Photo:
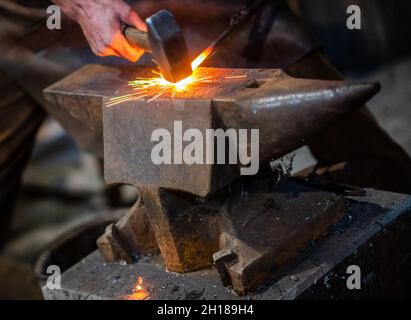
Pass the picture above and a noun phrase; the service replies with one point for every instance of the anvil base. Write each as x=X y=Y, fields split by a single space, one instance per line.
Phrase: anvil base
x=374 y=236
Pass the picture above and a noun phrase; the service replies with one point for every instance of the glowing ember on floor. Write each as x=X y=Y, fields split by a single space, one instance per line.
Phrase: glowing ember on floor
x=138 y=292
x=157 y=86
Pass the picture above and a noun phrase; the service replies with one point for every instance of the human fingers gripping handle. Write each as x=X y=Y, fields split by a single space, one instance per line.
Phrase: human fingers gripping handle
x=102 y=23
x=133 y=19
x=137 y=38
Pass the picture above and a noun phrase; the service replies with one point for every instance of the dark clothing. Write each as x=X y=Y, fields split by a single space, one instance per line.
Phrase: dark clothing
x=24 y=72
x=20 y=118
x=275 y=39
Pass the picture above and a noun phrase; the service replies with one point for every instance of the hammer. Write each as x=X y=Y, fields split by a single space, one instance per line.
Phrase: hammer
x=165 y=40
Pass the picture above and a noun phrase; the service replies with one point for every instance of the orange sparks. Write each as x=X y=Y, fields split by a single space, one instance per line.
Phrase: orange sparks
x=138 y=292
x=153 y=88
x=201 y=58
x=235 y=77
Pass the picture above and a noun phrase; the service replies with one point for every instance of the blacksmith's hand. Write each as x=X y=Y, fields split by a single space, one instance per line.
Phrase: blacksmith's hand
x=102 y=22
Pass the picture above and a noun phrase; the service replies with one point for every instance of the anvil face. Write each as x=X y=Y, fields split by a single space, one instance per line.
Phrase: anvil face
x=285 y=110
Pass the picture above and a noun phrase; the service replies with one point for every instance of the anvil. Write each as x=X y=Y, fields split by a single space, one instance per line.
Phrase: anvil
x=286 y=110
x=201 y=212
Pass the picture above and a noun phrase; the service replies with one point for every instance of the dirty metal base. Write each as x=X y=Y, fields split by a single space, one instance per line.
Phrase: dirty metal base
x=374 y=235
x=258 y=225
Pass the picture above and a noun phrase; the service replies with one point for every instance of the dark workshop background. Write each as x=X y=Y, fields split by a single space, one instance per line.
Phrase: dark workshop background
x=63 y=188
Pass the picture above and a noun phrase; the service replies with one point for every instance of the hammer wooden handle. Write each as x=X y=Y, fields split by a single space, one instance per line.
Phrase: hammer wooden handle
x=138 y=38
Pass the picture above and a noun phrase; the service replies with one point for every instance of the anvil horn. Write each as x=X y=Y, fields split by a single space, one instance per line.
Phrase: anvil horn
x=288 y=111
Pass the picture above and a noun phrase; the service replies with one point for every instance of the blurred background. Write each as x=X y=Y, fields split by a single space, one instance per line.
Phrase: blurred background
x=63 y=186
x=380 y=51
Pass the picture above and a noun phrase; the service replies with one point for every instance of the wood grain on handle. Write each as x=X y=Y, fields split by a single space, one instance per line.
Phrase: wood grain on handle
x=137 y=38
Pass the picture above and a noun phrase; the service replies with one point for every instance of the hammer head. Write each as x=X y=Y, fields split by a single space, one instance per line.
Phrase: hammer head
x=168 y=46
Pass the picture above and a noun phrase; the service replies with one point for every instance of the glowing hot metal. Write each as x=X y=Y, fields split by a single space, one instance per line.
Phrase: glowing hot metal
x=201 y=58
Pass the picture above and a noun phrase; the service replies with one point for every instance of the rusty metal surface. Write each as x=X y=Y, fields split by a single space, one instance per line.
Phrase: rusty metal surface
x=269 y=228
x=262 y=224
x=189 y=228
x=79 y=99
x=128 y=238
x=373 y=236
x=286 y=110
